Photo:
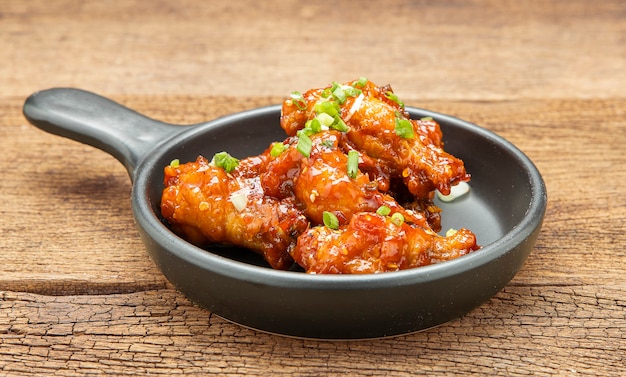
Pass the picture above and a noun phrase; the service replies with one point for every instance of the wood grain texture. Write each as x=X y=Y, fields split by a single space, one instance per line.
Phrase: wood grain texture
x=78 y=293
x=449 y=49
x=546 y=330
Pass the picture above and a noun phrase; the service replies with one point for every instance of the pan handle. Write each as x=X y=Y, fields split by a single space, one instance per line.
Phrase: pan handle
x=97 y=121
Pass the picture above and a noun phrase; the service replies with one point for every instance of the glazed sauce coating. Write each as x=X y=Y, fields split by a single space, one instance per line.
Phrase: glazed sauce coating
x=304 y=200
x=197 y=201
x=372 y=243
x=420 y=161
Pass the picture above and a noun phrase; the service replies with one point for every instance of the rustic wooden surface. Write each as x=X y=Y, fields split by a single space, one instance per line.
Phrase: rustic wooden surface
x=78 y=293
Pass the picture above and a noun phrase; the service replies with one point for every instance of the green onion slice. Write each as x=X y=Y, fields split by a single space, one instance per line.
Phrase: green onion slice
x=327 y=107
x=314 y=125
x=304 y=143
x=352 y=91
x=392 y=96
x=225 y=161
x=277 y=149
x=308 y=131
x=175 y=163
x=353 y=163
x=330 y=220
x=339 y=94
x=298 y=100
x=397 y=219
x=383 y=210
x=360 y=82
x=325 y=120
x=339 y=125
x=404 y=127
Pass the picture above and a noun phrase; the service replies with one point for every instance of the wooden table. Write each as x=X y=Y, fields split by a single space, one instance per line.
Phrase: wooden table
x=78 y=293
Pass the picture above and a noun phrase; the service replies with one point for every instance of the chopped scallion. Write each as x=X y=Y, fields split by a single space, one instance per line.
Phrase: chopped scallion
x=330 y=220
x=353 y=163
x=327 y=107
x=175 y=163
x=392 y=96
x=304 y=144
x=325 y=120
x=339 y=125
x=314 y=125
x=339 y=94
x=383 y=210
x=308 y=131
x=360 y=82
x=397 y=219
x=225 y=161
x=298 y=100
x=277 y=149
x=352 y=91
x=404 y=127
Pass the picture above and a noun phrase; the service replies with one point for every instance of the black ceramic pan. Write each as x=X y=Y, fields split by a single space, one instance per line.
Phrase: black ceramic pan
x=505 y=208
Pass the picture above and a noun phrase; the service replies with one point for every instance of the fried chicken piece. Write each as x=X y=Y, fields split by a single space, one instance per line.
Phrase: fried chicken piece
x=277 y=178
x=323 y=184
x=374 y=116
x=372 y=243
x=424 y=206
x=199 y=203
x=320 y=182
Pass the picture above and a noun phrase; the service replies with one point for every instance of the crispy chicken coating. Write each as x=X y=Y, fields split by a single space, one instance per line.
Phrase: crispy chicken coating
x=378 y=126
x=200 y=202
x=372 y=243
x=320 y=182
x=323 y=185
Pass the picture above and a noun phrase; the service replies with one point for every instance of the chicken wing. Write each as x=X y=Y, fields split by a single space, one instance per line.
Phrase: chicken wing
x=324 y=185
x=205 y=204
x=378 y=126
x=372 y=243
